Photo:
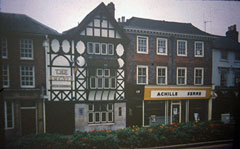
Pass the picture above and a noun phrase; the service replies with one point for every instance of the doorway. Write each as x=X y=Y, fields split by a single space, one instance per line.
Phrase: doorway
x=175 y=112
x=28 y=120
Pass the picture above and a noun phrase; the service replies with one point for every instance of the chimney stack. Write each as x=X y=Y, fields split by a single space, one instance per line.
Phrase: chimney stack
x=232 y=32
x=123 y=19
x=111 y=9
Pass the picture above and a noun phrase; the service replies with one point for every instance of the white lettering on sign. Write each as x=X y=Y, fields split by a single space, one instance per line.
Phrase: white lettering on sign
x=178 y=93
x=61 y=78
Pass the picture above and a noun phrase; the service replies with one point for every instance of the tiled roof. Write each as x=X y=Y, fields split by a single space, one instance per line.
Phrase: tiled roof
x=225 y=43
x=165 y=26
x=20 y=23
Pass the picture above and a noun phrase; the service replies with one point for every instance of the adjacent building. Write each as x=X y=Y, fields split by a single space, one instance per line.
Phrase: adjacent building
x=22 y=73
x=86 y=75
x=168 y=72
x=226 y=72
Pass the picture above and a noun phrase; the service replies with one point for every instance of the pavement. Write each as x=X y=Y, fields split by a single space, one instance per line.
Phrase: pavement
x=221 y=144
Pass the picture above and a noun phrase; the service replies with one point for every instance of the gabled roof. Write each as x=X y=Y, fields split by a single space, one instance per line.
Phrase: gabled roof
x=20 y=23
x=100 y=8
x=165 y=26
x=225 y=43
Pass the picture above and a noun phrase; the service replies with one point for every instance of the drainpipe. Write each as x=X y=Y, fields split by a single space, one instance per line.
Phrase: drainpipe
x=46 y=49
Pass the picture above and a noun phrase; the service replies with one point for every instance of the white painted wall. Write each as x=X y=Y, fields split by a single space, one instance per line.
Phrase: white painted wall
x=217 y=62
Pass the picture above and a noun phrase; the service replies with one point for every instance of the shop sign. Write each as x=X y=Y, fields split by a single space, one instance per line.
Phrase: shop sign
x=176 y=93
x=61 y=78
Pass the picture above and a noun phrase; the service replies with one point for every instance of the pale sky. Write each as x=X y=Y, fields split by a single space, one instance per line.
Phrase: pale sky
x=62 y=15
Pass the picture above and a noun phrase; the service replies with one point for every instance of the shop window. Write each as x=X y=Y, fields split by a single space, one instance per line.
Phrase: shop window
x=27 y=76
x=161 y=75
x=9 y=115
x=142 y=74
x=26 y=49
x=4 y=48
x=142 y=44
x=199 y=49
x=161 y=46
x=5 y=76
x=198 y=76
x=181 y=76
x=181 y=48
x=100 y=113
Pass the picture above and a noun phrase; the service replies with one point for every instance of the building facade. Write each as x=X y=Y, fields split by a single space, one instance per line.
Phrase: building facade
x=86 y=75
x=226 y=71
x=168 y=72
x=23 y=71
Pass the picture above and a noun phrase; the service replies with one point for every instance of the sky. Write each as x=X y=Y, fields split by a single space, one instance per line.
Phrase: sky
x=62 y=15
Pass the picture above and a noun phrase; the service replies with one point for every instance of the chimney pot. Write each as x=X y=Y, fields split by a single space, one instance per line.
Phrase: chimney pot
x=232 y=32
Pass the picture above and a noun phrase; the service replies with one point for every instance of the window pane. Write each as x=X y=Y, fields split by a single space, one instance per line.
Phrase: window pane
x=110 y=116
x=104 y=48
x=26 y=48
x=27 y=76
x=90 y=48
x=110 y=49
x=97 y=117
x=97 y=48
x=90 y=117
x=142 y=44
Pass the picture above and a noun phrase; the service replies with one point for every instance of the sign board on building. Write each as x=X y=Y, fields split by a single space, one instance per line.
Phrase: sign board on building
x=158 y=93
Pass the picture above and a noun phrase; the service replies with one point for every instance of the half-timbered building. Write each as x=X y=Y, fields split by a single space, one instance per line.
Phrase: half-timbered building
x=85 y=73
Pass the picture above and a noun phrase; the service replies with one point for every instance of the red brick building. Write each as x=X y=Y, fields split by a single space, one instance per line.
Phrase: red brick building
x=22 y=73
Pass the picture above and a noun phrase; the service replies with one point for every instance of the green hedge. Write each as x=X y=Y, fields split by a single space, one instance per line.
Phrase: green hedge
x=130 y=137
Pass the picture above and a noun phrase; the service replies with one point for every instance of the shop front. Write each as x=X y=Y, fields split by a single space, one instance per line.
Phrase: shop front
x=176 y=104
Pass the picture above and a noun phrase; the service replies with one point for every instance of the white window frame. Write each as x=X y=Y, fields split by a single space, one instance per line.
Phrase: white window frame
x=161 y=67
x=185 y=48
x=115 y=81
x=106 y=45
x=93 y=50
x=112 y=49
x=5 y=115
x=142 y=52
x=26 y=58
x=185 y=75
x=4 y=47
x=142 y=66
x=27 y=86
x=94 y=82
x=166 y=46
x=195 y=48
x=93 y=112
x=7 y=75
x=195 y=73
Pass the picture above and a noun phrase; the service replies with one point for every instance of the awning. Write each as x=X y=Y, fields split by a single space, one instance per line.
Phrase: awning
x=101 y=95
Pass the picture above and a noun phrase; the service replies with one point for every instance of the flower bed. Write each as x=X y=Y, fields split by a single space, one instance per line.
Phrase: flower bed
x=131 y=137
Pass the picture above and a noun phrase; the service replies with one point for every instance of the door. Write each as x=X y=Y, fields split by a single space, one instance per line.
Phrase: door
x=176 y=112
x=28 y=121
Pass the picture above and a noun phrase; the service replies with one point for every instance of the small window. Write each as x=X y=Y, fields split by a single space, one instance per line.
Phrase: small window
x=113 y=83
x=182 y=48
x=161 y=46
x=106 y=73
x=224 y=55
x=106 y=82
x=161 y=75
x=5 y=76
x=9 y=115
x=27 y=76
x=97 y=48
x=99 y=72
x=104 y=49
x=93 y=82
x=4 y=48
x=100 y=82
x=142 y=74
x=26 y=49
x=110 y=49
x=90 y=48
x=181 y=76
x=120 y=111
x=199 y=49
x=142 y=44
x=198 y=75
x=237 y=56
